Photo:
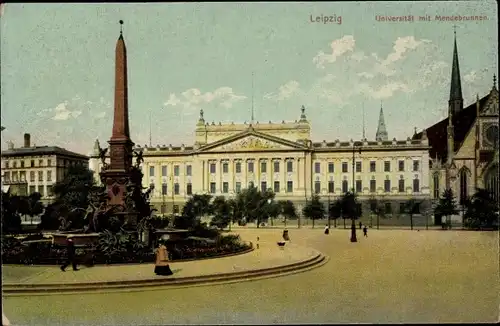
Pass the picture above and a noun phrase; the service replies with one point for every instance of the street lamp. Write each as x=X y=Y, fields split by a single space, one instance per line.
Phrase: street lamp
x=354 y=209
x=328 y=209
x=269 y=200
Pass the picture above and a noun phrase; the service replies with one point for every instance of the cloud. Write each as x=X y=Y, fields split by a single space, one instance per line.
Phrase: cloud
x=401 y=46
x=471 y=77
x=62 y=112
x=284 y=91
x=193 y=98
x=172 y=100
x=386 y=90
x=339 y=47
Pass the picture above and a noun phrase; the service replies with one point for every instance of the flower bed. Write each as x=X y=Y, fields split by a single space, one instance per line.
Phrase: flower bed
x=43 y=253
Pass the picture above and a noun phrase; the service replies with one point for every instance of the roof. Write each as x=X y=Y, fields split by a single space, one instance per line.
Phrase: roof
x=41 y=150
x=462 y=122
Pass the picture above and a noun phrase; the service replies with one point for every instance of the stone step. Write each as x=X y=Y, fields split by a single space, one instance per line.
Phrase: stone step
x=48 y=289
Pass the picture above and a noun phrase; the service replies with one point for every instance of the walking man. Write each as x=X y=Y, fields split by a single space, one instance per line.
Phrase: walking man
x=365 y=231
x=71 y=255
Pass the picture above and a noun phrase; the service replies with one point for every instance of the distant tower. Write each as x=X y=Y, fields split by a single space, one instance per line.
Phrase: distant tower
x=456 y=101
x=381 y=130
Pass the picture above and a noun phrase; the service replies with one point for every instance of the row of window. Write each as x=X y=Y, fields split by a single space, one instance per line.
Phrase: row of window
x=289 y=187
x=373 y=186
x=41 y=163
x=32 y=164
x=289 y=167
x=177 y=169
x=373 y=166
x=16 y=176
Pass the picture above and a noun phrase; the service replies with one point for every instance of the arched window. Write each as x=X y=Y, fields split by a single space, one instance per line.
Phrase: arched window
x=491 y=182
x=464 y=193
x=436 y=185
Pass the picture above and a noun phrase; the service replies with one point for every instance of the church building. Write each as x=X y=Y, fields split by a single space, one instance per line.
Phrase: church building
x=464 y=146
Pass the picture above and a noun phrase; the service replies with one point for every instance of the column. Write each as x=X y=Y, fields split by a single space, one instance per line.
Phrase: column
x=231 y=175
x=244 y=173
x=285 y=174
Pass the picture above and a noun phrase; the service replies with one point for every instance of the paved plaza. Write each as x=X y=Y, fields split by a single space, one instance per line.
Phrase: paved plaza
x=392 y=276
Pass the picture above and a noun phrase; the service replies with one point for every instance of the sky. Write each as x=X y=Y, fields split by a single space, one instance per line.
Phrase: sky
x=57 y=67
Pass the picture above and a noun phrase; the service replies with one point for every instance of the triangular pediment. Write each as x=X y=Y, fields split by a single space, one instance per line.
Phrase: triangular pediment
x=251 y=140
x=491 y=105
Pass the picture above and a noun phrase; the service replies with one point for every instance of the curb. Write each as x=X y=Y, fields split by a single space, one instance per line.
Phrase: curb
x=137 y=285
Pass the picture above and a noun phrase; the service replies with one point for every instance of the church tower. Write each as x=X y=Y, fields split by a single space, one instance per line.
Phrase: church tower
x=381 y=130
x=456 y=101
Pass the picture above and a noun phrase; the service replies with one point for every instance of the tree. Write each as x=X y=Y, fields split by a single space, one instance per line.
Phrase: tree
x=335 y=211
x=221 y=209
x=314 y=209
x=352 y=209
x=481 y=211
x=377 y=208
x=11 y=219
x=411 y=208
x=252 y=204
x=288 y=210
x=71 y=199
x=74 y=188
x=34 y=205
x=446 y=205
x=195 y=207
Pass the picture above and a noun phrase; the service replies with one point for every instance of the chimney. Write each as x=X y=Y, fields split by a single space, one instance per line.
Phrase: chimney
x=26 y=140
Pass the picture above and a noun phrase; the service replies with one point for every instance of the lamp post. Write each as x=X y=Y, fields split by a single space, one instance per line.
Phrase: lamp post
x=269 y=201
x=354 y=209
x=231 y=195
x=173 y=192
x=328 y=210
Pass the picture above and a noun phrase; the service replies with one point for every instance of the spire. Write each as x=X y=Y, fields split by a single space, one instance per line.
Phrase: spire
x=456 y=101
x=120 y=121
x=494 y=81
x=381 y=131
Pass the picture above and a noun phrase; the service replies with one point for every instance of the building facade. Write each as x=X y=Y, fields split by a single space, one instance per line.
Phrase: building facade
x=464 y=146
x=227 y=158
x=30 y=169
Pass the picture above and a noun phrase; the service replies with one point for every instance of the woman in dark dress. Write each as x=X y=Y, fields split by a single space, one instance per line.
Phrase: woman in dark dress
x=161 y=265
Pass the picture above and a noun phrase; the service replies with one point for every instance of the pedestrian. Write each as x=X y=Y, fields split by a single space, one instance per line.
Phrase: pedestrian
x=161 y=265
x=360 y=225
x=258 y=242
x=327 y=230
x=71 y=260
x=365 y=231
x=286 y=237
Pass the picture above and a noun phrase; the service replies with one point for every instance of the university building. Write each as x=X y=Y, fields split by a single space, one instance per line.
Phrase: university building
x=30 y=169
x=226 y=158
x=464 y=146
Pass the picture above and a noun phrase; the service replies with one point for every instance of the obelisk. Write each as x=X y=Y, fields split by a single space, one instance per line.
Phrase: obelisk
x=118 y=173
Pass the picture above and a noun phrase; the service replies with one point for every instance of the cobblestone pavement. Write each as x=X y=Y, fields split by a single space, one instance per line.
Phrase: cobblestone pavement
x=267 y=256
x=393 y=276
